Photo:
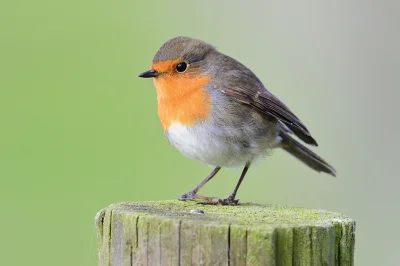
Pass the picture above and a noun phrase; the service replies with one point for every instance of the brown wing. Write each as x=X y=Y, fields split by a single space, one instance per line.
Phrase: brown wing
x=243 y=86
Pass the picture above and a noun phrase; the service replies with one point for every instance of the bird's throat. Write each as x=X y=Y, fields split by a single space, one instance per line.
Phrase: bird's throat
x=182 y=99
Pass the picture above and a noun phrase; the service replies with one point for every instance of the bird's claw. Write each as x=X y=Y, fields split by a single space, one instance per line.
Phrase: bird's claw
x=229 y=201
x=203 y=200
x=218 y=201
x=191 y=195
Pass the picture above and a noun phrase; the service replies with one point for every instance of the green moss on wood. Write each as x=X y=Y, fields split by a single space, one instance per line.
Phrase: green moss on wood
x=244 y=214
x=284 y=246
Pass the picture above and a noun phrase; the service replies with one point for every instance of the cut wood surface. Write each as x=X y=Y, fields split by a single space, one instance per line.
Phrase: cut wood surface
x=186 y=233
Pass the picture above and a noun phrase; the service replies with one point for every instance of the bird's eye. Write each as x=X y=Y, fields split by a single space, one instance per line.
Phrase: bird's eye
x=181 y=67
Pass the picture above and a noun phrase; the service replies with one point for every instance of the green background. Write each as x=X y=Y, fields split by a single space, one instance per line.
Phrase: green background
x=80 y=131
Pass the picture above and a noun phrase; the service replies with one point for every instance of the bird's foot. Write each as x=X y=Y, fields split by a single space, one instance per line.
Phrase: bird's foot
x=216 y=201
x=191 y=195
x=229 y=201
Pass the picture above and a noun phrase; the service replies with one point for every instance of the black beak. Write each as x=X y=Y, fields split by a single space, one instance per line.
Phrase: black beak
x=149 y=74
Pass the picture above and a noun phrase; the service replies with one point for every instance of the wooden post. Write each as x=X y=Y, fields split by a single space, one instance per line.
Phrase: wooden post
x=186 y=233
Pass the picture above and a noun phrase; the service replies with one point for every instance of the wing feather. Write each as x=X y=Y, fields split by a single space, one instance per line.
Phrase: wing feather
x=265 y=102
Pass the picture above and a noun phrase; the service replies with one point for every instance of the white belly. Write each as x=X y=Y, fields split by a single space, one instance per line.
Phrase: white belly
x=208 y=147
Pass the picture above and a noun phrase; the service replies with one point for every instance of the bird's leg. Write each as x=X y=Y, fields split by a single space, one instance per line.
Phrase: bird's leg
x=192 y=195
x=231 y=199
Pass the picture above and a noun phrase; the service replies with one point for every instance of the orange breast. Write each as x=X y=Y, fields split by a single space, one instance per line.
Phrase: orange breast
x=182 y=97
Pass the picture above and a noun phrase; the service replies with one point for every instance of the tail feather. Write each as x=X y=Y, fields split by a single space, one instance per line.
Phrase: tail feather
x=305 y=155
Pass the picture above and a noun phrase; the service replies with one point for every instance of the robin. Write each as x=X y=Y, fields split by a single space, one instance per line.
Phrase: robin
x=215 y=110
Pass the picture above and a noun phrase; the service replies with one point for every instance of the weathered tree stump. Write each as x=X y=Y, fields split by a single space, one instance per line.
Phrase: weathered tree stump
x=186 y=233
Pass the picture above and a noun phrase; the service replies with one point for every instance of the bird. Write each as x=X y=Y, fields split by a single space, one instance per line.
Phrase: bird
x=215 y=110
